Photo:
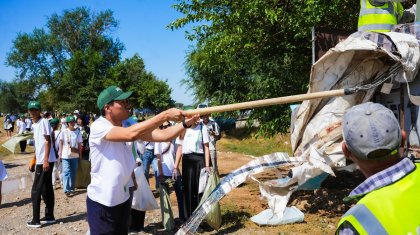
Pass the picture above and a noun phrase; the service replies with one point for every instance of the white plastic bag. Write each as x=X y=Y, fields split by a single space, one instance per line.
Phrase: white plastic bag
x=143 y=199
x=204 y=175
x=268 y=217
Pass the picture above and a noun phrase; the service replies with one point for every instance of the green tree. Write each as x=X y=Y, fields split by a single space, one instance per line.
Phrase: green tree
x=256 y=49
x=149 y=91
x=15 y=96
x=70 y=58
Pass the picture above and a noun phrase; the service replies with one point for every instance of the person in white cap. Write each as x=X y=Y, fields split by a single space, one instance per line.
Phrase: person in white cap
x=388 y=198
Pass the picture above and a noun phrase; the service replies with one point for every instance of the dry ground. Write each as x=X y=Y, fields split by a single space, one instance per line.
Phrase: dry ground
x=322 y=207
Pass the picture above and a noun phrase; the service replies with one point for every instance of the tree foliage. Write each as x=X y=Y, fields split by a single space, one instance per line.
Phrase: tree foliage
x=149 y=91
x=75 y=57
x=15 y=95
x=256 y=49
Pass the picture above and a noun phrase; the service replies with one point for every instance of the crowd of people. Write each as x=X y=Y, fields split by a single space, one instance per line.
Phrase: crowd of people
x=117 y=144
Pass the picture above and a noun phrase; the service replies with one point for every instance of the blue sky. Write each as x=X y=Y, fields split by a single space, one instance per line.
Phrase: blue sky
x=142 y=29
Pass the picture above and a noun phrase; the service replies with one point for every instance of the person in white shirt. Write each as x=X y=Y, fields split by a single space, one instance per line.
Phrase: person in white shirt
x=193 y=148
x=21 y=124
x=70 y=153
x=63 y=121
x=56 y=174
x=149 y=159
x=165 y=154
x=28 y=123
x=45 y=158
x=215 y=135
x=108 y=204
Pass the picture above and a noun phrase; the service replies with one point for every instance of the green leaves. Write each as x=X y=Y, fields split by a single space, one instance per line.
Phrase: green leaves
x=256 y=49
x=74 y=58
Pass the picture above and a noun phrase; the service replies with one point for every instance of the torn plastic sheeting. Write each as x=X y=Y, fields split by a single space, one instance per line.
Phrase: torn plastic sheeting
x=308 y=175
x=357 y=59
x=268 y=217
x=231 y=181
x=14 y=141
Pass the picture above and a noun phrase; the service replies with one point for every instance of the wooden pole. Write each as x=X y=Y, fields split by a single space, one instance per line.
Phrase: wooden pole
x=268 y=102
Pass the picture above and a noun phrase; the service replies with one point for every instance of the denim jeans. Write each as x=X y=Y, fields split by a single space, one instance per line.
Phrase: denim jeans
x=148 y=159
x=69 y=173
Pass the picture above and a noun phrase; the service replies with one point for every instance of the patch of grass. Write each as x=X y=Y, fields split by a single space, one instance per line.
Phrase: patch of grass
x=231 y=215
x=244 y=141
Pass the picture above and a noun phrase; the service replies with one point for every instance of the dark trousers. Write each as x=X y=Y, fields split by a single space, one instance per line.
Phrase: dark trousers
x=43 y=187
x=137 y=220
x=108 y=220
x=191 y=167
x=22 y=145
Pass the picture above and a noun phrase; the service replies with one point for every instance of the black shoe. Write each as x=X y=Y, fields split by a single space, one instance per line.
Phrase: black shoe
x=48 y=220
x=33 y=224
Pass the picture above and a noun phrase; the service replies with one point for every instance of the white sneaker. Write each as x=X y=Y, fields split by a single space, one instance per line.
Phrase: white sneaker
x=33 y=224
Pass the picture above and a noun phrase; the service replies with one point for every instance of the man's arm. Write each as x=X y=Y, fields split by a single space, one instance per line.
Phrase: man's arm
x=147 y=130
x=46 y=164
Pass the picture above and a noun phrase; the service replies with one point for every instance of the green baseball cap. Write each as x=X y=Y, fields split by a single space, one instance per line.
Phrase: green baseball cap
x=110 y=94
x=34 y=105
x=54 y=121
x=70 y=118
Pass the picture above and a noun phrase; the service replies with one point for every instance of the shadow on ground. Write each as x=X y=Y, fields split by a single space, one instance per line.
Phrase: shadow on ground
x=17 y=203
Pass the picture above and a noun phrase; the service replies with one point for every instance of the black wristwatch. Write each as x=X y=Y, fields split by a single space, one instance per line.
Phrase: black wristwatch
x=185 y=124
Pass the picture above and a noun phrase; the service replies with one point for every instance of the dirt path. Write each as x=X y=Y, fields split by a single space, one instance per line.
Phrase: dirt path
x=322 y=207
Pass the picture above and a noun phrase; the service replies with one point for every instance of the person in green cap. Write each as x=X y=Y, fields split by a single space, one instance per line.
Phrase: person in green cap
x=70 y=153
x=108 y=198
x=45 y=158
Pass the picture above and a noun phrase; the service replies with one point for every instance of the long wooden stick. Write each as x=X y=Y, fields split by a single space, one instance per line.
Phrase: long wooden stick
x=269 y=102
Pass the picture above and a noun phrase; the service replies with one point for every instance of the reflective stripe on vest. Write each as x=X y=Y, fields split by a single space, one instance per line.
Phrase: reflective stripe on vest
x=366 y=219
x=377 y=19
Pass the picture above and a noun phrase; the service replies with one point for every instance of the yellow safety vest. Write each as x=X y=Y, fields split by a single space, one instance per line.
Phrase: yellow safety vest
x=379 y=19
x=393 y=209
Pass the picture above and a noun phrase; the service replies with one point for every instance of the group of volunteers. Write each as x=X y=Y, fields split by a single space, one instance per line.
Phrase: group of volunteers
x=373 y=140
x=115 y=149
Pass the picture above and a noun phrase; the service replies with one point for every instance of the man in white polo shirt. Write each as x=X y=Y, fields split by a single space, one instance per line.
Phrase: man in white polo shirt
x=108 y=204
x=45 y=158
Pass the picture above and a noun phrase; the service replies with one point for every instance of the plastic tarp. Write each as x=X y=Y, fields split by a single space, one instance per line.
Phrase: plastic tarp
x=316 y=131
x=356 y=60
x=14 y=141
